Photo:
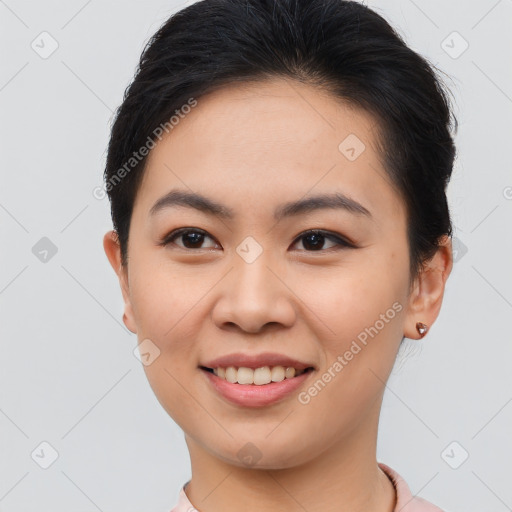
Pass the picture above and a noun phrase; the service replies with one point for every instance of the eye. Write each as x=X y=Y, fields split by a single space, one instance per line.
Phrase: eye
x=192 y=238
x=315 y=239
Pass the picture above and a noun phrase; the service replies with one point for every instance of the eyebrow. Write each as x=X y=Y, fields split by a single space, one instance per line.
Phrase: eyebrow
x=206 y=205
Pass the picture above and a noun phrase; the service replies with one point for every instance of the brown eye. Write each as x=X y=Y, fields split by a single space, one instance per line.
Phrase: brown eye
x=191 y=238
x=314 y=240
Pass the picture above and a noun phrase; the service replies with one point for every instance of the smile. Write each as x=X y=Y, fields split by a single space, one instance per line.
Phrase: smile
x=259 y=392
x=258 y=376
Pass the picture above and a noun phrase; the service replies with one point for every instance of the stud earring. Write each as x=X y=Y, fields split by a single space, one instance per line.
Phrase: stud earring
x=422 y=329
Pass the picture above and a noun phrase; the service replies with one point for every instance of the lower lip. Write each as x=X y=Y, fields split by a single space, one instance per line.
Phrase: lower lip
x=252 y=395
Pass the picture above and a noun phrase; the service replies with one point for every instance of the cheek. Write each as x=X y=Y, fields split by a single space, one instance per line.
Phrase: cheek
x=361 y=331
x=359 y=319
x=164 y=303
x=161 y=297
x=347 y=302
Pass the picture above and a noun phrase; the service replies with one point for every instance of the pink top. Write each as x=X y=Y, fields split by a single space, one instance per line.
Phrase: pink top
x=405 y=501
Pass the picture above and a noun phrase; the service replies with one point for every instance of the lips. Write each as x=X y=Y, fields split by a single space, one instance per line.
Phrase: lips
x=255 y=395
x=239 y=360
x=256 y=380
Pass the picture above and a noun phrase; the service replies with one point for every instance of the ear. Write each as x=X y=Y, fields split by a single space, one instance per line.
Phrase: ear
x=113 y=251
x=427 y=295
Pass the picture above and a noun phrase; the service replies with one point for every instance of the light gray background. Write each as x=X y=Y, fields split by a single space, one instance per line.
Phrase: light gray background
x=68 y=373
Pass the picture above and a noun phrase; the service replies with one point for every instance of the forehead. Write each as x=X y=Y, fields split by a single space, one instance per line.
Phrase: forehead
x=252 y=145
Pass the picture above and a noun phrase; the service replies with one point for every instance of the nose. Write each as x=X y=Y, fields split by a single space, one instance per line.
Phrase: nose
x=254 y=297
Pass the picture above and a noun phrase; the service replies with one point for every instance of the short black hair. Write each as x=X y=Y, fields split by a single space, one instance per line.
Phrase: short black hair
x=340 y=46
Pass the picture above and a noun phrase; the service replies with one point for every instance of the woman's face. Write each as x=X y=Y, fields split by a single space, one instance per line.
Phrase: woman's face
x=254 y=282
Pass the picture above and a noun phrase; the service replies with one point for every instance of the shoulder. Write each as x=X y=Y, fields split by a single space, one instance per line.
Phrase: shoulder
x=183 y=504
x=405 y=501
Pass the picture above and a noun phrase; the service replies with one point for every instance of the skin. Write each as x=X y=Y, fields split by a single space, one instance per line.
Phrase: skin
x=253 y=147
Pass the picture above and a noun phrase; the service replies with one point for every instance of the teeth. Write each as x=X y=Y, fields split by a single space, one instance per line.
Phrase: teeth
x=278 y=373
x=245 y=376
x=259 y=376
x=231 y=374
x=290 y=372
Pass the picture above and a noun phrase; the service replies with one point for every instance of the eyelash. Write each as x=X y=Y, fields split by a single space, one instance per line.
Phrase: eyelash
x=341 y=242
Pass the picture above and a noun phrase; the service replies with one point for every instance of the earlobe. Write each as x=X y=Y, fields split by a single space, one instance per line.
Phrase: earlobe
x=113 y=251
x=428 y=291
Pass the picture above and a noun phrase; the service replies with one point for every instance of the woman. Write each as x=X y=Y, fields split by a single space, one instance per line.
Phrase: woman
x=277 y=175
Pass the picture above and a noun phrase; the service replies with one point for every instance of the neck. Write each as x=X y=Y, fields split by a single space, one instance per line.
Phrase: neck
x=344 y=478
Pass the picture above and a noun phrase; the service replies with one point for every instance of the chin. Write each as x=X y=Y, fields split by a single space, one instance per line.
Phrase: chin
x=253 y=452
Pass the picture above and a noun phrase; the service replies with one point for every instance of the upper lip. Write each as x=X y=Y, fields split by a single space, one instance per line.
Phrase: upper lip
x=256 y=361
